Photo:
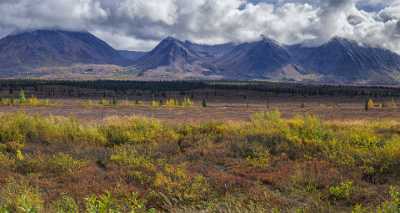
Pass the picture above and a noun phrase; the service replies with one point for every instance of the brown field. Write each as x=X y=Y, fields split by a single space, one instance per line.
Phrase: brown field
x=329 y=109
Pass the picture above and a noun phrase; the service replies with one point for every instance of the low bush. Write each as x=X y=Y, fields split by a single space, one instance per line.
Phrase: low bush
x=22 y=128
x=393 y=204
x=259 y=159
x=140 y=166
x=342 y=191
x=136 y=130
x=187 y=102
x=178 y=186
x=19 y=196
x=107 y=203
x=101 y=204
x=64 y=164
x=65 y=204
x=155 y=104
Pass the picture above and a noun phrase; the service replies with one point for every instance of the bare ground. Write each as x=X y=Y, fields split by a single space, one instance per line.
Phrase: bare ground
x=327 y=109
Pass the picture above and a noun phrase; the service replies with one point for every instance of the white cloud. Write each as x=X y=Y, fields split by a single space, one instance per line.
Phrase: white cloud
x=139 y=24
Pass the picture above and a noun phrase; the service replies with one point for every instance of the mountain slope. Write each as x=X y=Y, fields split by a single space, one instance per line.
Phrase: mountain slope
x=131 y=55
x=345 y=60
x=168 y=53
x=254 y=60
x=43 y=48
x=210 y=51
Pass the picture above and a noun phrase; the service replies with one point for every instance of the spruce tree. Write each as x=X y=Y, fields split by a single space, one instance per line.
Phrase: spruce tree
x=22 y=98
x=114 y=101
x=204 y=103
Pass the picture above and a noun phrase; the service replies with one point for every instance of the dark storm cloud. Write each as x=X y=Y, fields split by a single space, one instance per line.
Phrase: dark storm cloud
x=138 y=24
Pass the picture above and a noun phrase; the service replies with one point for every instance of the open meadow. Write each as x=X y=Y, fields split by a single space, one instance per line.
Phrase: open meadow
x=68 y=148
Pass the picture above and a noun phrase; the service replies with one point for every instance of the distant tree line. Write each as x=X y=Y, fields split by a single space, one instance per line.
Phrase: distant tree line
x=120 y=87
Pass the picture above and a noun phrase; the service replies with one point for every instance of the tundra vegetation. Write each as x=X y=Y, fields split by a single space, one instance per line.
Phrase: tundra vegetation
x=136 y=164
x=114 y=102
x=21 y=100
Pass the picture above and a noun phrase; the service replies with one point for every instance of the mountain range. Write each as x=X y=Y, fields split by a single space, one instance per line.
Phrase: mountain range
x=58 y=54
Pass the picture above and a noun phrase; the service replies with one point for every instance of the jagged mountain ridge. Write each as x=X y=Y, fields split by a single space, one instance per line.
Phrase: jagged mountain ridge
x=337 y=61
x=254 y=59
x=169 y=52
x=348 y=60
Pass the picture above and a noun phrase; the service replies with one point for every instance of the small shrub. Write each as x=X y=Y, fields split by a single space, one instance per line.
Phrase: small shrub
x=101 y=204
x=106 y=203
x=19 y=196
x=63 y=163
x=268 y=122
x=139 y=103
x=136 y=130
x=341 y=192
x=369 y=104
x=175 y=182
x=33 y=101
x=310 y=128
x=88 y=104
x=46 y=102
x=187 y=102
x=155 y=104
x=11 y=129
x=140 y=166
x=269 y=129
x=12 y=147
x=135 y=204
x=6 y=162
x=259 y=159
x=393 y=205
x=65 y=204
x=5 y=102
x=359 y=209
x=104 y=102
x=171 y=103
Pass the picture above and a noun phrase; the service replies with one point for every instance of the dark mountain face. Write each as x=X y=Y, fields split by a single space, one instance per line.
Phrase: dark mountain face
x=348 y=61
x=339 y=60
x=43 y=48
x=170 y=52
x=131 y=55
x=254 y=60
x=211 y=51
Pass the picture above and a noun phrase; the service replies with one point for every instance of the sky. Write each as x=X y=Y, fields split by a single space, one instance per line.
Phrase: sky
x=141 y=24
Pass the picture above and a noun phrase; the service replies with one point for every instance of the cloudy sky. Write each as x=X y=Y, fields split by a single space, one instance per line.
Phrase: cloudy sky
x=140 y=24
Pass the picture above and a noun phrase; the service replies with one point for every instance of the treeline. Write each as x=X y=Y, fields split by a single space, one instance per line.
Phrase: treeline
x=121 y=87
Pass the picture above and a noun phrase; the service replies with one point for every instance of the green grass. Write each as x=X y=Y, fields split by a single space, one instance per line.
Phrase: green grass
x=134 y=164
